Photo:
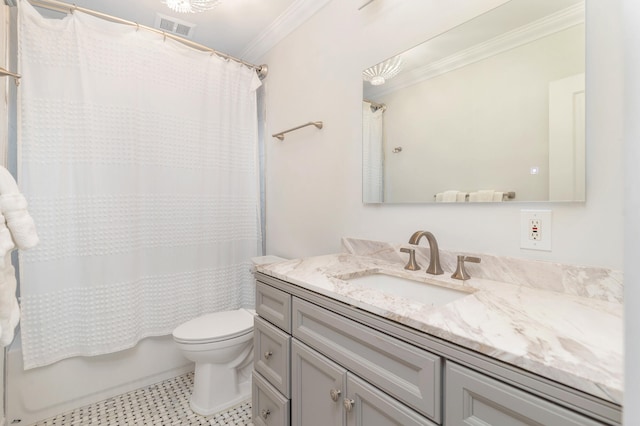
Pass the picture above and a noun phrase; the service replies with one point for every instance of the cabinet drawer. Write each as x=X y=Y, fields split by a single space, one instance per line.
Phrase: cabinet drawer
x=406 y=372
x=271 y=354
x=274 y=305
x=269 y=407
x=473 y=398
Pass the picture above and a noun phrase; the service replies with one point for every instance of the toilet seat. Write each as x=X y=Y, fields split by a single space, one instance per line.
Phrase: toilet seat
x=215 y=327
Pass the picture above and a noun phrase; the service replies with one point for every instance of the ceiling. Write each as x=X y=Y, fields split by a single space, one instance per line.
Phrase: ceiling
x=245 y=29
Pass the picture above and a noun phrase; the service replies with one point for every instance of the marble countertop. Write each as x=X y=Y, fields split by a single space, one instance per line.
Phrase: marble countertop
x=575 y=340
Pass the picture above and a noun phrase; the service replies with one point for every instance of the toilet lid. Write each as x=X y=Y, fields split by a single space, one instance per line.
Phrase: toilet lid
x=215 y=326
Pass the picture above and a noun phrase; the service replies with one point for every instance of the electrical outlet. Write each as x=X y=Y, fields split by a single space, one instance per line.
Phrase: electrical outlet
x=535 y=229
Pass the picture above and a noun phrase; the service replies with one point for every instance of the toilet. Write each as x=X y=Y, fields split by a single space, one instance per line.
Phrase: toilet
x=221 y=345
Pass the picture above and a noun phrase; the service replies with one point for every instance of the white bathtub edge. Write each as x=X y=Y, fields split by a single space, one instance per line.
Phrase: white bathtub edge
x=44 y=392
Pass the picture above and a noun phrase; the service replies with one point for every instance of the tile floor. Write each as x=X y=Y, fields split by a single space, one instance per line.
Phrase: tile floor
x=162 y=404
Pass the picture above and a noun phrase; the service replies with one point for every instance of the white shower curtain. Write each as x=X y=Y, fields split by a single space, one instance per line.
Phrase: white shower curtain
x=372 y=155
x=138 y=157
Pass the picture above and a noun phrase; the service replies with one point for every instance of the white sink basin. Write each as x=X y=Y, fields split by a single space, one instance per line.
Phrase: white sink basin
x=422 y=292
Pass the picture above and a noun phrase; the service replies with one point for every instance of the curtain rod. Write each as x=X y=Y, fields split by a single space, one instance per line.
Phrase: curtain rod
x=59 y=6
x=376 y=105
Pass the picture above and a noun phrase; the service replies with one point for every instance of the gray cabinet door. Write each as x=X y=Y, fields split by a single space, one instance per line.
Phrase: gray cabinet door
x=318 y=387
x=368 y=406
x=473 y=399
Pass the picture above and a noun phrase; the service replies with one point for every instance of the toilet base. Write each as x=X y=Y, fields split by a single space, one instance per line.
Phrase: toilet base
x=218 y=387
x=243 y=395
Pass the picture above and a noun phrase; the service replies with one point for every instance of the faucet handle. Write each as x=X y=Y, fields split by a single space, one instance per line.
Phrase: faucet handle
x=412 y=265
x=461 y=273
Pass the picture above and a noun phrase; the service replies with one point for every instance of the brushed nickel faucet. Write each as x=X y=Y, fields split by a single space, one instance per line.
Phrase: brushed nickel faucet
x=434 y=258
x=461 y=273
x=412 y=265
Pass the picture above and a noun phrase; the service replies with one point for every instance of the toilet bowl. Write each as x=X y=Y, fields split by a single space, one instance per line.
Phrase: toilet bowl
x=221 y=345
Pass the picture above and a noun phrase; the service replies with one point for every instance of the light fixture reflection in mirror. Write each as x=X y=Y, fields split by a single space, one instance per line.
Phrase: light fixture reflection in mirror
x=380 y=73
x=479 y=106
x=191 y=6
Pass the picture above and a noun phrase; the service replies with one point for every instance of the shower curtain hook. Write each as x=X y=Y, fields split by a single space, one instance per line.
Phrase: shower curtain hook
x=74 y=8
x=164 y=36
x=137 y=27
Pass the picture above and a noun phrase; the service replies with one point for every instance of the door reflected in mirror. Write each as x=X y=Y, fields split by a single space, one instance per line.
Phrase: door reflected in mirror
x=492 y=110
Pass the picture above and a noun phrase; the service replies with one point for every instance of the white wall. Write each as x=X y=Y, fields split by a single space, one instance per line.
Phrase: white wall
x=313 y=177
x=482 y=126
x=631 y=15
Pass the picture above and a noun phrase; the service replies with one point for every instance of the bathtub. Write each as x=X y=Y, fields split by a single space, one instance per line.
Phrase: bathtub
x=43 y=392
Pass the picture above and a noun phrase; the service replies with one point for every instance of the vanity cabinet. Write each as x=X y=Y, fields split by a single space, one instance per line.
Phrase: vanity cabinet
x=325 y=393
x=320 y=362
x=335 y=371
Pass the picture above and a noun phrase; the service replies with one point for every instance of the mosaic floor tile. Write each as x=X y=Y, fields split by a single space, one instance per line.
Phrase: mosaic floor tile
x=161 y=404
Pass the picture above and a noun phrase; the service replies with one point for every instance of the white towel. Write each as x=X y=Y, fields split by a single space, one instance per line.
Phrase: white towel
x=498 y=196
x=13 y=206
x=6 y=242
x=9 y=309
x=19 y=221
x=21 y=231
x=462 y=197
x=482 y=196
x=439 y=197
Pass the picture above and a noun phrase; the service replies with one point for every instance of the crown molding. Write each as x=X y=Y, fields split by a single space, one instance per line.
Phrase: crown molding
x=551 y=24
x=292 y=18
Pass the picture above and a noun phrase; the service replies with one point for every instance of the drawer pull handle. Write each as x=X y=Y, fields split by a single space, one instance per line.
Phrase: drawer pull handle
x=335 y=394
x=265 y=413
x=268 y=354
x=348 y=404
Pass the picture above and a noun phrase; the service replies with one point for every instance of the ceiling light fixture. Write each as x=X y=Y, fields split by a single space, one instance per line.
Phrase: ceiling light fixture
x=191 y=6
x=378 y=74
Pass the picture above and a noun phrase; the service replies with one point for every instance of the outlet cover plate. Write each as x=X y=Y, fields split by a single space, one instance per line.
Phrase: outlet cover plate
x=542 y=218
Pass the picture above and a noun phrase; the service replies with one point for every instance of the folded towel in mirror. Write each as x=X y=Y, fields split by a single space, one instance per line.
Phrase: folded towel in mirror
x=482 y=196
x=450 y=196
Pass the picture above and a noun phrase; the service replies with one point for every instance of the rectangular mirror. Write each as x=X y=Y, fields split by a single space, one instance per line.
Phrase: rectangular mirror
x=491 y=110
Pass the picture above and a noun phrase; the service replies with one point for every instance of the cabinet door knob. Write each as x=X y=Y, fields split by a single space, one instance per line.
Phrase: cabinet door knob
x=348 y=404
x=268 y=354
x=265 y=413
x=335 y=394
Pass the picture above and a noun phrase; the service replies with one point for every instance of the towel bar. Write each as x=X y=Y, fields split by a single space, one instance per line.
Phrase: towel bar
x=505 y=195
x=280 y=135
